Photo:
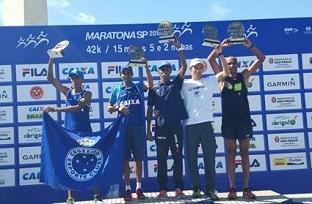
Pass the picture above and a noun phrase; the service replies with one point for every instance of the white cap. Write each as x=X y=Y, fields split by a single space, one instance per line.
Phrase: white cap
x=197 y=61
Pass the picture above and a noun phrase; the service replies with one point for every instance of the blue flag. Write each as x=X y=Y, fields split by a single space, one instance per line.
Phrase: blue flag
x=71 y=161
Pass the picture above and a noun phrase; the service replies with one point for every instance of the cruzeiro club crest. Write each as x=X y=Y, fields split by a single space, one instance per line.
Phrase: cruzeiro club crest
x=82 y=163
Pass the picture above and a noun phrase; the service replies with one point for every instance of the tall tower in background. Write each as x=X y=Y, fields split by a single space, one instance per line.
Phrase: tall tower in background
x=25 y=12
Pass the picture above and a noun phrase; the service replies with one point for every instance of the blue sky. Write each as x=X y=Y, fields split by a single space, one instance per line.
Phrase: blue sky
x=78 y=12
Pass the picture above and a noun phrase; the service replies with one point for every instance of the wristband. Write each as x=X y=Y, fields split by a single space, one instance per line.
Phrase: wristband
x=221 y=53
x=251 y=46
x=180 y=49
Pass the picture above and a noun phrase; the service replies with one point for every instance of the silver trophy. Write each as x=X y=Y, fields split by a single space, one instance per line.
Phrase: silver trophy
x=57 y=50
x=236 y=31
x=210 y=36
x=136 y=54
x=165 y=32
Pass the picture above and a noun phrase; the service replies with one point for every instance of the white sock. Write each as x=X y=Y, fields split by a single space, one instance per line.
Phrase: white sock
x=128 y=187
x=138 y=185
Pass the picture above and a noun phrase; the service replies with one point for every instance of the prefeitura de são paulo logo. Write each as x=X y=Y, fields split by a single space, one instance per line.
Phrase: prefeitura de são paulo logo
x=82 y=163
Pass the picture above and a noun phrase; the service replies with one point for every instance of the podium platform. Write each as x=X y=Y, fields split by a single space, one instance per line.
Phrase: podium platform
x=263 y=197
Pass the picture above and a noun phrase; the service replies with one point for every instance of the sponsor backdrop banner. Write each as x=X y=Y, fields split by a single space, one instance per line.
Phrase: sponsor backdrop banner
x=280 y=95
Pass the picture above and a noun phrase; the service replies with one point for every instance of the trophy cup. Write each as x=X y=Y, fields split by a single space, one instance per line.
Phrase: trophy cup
x=57 y=50
x=136 y=54
x=210 y=36
x=165 y=32
x=236 y=31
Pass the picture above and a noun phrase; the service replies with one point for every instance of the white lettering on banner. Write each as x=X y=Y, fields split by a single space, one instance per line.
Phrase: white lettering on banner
x=307 y=61
x=281 y=62
x=283 y=101
x=31 y=72
x=284 y=121
x=257 y=163
x=82 y=163
x=254 y=102
x=33 y=39
x=115 y=35
x=33 y=113
x=307 y=82
x=287 y=161
x=282 y=141
x=89 y=69
x=29 y=155
x=5 y=73
x=7 y=156
x=29 y=176
x=290 y=30
x=29 y=134
x=6 y=114
x=308 y=99
x=7 y=177
x=6 y=94
x=281 y=82
x=6 y=135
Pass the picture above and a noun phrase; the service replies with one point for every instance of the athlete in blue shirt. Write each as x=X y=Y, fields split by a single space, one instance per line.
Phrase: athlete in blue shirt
x=168 y=107
x=76 y=110
x=128 y=100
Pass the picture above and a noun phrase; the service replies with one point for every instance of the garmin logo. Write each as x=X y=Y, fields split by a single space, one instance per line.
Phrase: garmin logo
x=116 y=35
x=282 y=83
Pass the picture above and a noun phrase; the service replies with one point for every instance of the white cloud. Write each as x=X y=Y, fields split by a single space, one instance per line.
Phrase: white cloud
x=59 y=3
x=219 y=10
x=86 y=18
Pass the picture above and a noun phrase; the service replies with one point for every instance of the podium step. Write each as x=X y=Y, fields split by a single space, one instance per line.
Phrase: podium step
x=263 y=197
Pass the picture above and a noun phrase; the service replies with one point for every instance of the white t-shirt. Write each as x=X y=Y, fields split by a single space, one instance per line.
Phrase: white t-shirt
x=198 y=99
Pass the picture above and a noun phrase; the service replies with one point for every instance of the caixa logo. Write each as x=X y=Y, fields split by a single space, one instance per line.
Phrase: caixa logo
x=153 y=148
x=154 y=68
x=34 y=72
x=30 y=176
x=85 y=70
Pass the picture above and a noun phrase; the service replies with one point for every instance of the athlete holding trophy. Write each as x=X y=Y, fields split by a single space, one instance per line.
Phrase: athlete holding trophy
x=77 y=99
